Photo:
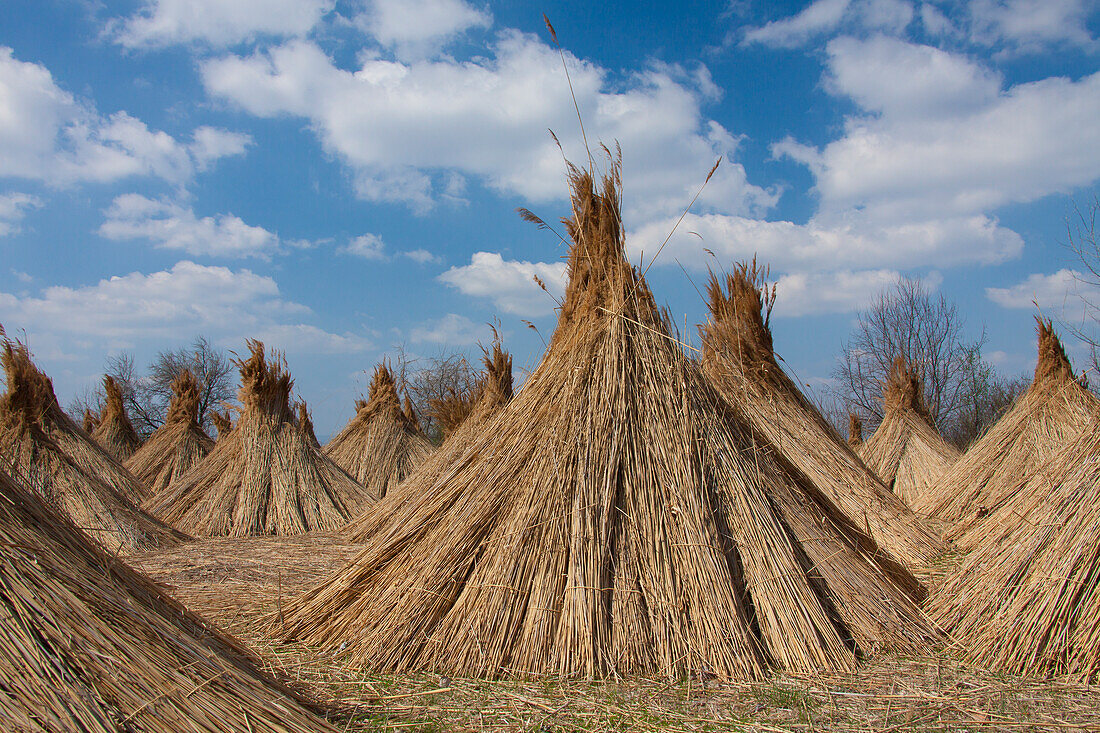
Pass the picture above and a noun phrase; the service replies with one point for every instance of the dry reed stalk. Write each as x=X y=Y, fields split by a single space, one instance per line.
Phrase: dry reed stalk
x=494 y=390
x=737 y=356
x=905 y=451
x=223 y=422
x=72 y=473
x=305 y=424
x=855 y=432
x=115 y=432
x=87 y=643
x=1051 y=413
x=89 y=422
x=178 y=444
x=268 y=476
x=1027 y=598
x=615 y=517
x=381 y=444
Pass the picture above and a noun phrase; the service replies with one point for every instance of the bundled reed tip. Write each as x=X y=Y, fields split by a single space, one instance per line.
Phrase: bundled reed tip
x=1052 y=365
x=265 y=382
x=904 y=390
x=222 y=421
x=186 y=397
x=115 y=432
x=89 y=422
x=740 y=305
x=855 y=431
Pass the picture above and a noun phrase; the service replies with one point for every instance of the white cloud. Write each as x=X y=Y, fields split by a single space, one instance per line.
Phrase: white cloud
x=826 y=16
x=422 y=256
x=451 y=330
x=852 y=241
x=22 y=277
x=1029 y=25
x=821 y=293
x=301 y=338
x=367 y=246
x=13 y=207
x=217 y=22
x=1066 y=294
x=211 y=143
x=170 y=226
x=47 y=135
x=224 y=304
x=417 y=27
x=406 y=129
x=908 y=81
x=967 y=148
x=509 y=283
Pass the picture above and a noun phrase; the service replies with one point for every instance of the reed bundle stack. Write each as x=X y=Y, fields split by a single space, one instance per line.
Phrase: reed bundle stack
x=906 y=451
x=1026 y=599
x=615 y=517
x=381 y=444
x=1053 y=410
x=49 y=454
x=493 y=391
x=178 y=444
x=855 y=432
x=738 y=357
x=268 y=476
x=223 y=422
x=114 y=431
x=88 y=644
x=305 y=423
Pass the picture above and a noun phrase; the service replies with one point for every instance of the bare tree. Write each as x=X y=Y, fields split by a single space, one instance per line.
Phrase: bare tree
x=905 y=320
x=1082 y=241
x=147 y=397
x=433 y=378
x=984 y=396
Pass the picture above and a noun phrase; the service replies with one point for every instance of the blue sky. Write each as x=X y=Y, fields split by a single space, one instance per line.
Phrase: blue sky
x=339 y=178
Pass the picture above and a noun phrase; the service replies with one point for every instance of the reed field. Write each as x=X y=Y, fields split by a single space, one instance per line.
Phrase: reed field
x=644 y=536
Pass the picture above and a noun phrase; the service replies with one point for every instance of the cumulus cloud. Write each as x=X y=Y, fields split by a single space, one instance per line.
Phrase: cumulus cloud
x=301 y=338
x=13 y=207
x=47 y=135
x=451 y=330
x=417 y=27
x=368 y=247
x=510 y=284
x=216 y=23
x=826 y=16
x=168 y=225
x=211 y=144
x=852 y=242
x=1030 y=25
x=1065 y=294
x=824 y=293
x=407 y=128
x=422 y=256
x=939 y=137
x=229 y=305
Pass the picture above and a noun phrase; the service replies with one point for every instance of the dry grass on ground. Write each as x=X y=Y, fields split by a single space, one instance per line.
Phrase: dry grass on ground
x=237 y=582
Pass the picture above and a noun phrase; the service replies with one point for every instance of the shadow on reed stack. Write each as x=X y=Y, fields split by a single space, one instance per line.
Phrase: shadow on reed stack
x=738 y=357
x=114 y=431
x=1026 y=599
x=381 y=444
x=88 y=644
x=1051 y=413
x=615 y=517
x=45 y=449
x=267 y=476
x=178 y=444
x=906 y=451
